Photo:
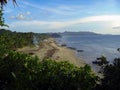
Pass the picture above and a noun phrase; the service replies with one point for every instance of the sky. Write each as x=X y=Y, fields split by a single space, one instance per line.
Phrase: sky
x=100 y=16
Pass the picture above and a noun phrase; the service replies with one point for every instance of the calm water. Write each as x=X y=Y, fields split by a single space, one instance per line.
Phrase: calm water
x=93 y=45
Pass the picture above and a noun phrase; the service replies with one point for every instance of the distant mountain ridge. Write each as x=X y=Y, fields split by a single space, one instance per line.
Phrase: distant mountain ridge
x=80 y=33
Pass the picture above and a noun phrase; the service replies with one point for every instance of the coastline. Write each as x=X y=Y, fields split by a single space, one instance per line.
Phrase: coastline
x=50 y=49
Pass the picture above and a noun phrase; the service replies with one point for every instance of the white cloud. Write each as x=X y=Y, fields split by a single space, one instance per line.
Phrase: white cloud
x=116 y=27
x=22 y=16
x=103 y=22
x=28 y=13
x=19 y=17
x=101 y=18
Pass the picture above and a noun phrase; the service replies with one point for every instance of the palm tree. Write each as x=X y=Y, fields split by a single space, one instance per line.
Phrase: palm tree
x=4 y=2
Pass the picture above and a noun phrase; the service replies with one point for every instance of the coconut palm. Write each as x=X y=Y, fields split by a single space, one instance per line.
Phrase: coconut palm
x=4 y=2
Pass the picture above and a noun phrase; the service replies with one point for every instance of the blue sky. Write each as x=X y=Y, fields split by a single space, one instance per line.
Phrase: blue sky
x=100 y=16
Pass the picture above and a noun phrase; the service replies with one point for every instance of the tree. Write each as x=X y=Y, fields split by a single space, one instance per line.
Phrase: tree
x=2 y=20
x=4 y=2
x=111 y=80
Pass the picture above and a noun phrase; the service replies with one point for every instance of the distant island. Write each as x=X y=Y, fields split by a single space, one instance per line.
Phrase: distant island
x=54 y=35
x=80 y=33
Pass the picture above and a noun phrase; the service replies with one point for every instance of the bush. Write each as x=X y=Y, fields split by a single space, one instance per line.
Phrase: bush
x=16 y=70
x=111 y=80
x=20 y=71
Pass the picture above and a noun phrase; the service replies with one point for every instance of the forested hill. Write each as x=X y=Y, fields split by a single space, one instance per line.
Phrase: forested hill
x=13 y=40
x=80 y=33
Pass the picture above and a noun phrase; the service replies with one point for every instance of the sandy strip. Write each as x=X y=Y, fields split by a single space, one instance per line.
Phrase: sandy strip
x=49 y=49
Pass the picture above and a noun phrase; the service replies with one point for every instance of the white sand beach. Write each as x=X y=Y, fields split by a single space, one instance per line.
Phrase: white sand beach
x=50 y=49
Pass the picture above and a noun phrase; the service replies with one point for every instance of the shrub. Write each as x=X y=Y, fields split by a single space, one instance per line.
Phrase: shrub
x=111 y=80
x=20 y=71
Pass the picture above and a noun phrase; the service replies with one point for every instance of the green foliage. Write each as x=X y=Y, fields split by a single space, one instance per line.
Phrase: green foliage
x=20 y=71
x=111 y=80
x=4 y=2
x=41 y=36
x=17 y=71
x=55 y=35
x=101 y=61
x=13 y=40
x=2 y=21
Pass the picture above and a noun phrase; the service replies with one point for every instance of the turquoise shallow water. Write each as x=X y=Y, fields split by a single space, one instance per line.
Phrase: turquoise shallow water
x=93 y=46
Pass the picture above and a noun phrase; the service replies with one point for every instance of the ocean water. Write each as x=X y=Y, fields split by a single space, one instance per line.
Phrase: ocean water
x=93 y=46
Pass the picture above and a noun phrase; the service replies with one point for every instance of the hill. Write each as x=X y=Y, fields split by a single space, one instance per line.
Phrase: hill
x=79 y=33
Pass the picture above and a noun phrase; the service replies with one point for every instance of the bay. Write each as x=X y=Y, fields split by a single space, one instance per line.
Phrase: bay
x=93 y=46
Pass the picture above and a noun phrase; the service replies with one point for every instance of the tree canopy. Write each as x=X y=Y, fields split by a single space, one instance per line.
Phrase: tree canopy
x=111 y=80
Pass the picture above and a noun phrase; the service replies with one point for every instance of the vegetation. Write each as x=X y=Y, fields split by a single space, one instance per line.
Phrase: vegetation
x=22 y=72
x=13 y=40
x=54 y=35
x=4 y=2
x=41 y=36
x=2 y=21
x=101 y=61
x=111 y=80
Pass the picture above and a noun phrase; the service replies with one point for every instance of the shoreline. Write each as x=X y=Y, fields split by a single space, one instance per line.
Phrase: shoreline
x=50 y=49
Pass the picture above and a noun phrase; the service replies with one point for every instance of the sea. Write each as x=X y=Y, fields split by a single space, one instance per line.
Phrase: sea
x=92 y=46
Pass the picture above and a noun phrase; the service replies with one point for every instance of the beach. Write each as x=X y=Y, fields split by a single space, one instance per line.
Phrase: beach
x=50 y=49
